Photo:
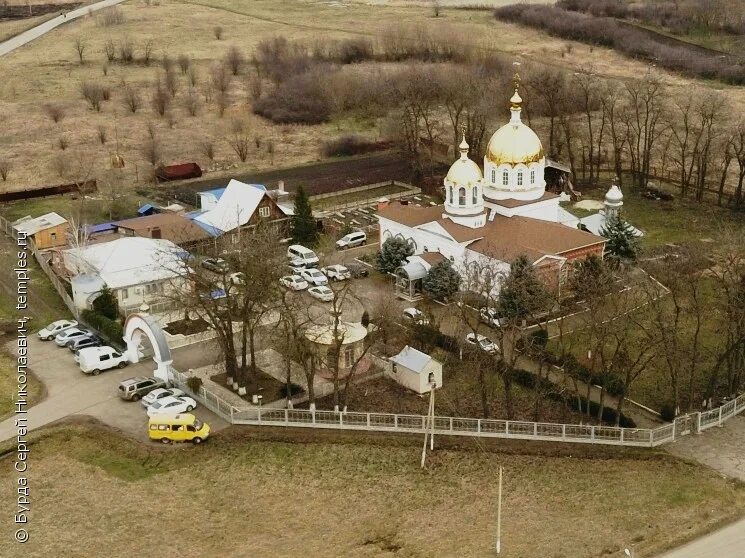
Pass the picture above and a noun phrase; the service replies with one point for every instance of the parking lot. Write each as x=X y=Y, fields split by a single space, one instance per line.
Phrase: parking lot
x=70 y=392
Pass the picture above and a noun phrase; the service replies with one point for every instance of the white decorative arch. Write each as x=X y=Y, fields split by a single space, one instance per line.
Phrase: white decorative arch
x=137 y=324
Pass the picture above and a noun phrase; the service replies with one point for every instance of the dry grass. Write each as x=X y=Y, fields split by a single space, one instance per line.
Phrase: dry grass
x=48 y=71
x=243 y=496
x=9 y=386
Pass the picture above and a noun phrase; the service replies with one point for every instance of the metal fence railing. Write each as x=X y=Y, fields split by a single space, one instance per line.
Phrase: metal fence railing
x=460 y=426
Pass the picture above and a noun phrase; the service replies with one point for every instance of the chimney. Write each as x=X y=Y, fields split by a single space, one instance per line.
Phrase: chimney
x=383 y=203
x=281 y=186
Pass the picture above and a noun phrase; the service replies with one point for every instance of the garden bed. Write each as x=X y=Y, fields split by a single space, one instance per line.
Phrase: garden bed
x=268 y=387
x=186 y=327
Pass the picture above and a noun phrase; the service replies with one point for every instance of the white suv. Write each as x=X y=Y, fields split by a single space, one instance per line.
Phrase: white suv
x=351 y=240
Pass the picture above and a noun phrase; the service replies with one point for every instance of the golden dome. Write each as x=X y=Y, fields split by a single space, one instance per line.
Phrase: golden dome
x=514 y=143
x=464 y=171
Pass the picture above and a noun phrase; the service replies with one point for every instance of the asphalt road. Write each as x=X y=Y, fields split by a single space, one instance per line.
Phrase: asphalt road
x=35 y=32
x=725 y=543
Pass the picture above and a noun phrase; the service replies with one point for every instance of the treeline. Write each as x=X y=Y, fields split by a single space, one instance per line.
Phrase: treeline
x=682 y=16
x=638 y=43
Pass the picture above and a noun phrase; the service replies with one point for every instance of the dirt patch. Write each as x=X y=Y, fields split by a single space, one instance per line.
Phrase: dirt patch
x=186 y=327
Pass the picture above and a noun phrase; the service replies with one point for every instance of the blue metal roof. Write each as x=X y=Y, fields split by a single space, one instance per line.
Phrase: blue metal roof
x=101 y=227
x=217 y=192
x=145 y=209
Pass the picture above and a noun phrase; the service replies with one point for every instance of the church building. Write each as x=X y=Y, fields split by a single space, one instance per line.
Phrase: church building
x=489 y=219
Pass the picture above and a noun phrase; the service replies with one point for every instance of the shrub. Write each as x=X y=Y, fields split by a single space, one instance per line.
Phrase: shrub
x=347 y=145
x=106 y=304
x=301 y=99
x=110 y=329
x=393 y=254
x=667 y=412
x=93 y=93
x=194 y=383
x=110 y=17
x=54 y=112
x=4 y=169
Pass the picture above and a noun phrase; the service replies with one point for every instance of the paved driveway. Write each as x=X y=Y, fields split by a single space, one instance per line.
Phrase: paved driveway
x=70 y=392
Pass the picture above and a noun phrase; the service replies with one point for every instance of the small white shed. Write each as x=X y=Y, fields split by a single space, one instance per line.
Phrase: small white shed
x=412 y=369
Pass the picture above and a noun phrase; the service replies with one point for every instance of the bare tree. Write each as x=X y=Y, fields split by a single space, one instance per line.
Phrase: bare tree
x=151 y=151
x=93 y=93
x=184 y=63
x=208 y=148
x=217 y=31
x=191 y=101
x=147 y=52
x=110 y=50
x=80 y=45
x=5 y=168
x=192 y=76
x=171 y=82
x=63 y=142
x=131 y=98
x=161 y=99
x=102 y=134
x=239 y=140
x=234 y=60
x=126 y=51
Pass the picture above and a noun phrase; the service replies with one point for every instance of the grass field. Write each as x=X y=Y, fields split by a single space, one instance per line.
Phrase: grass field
x=242 y=495
x=47 y=71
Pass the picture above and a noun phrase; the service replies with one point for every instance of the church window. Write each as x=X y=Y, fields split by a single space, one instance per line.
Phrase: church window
x=505 y=178
x=475 y=196
x=451 y=195
x=493 y=176
x=532 y=177
x=519 y=178
x=462 y=196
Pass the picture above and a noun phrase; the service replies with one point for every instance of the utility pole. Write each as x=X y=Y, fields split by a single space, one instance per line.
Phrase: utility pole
x=429 y=423
x=499 y=513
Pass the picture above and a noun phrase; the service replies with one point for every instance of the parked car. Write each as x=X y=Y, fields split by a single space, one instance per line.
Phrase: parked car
x=491 y=317
x=351 y=240
x=299 y=253
x=218 y=265
x=136 y=388
x=94 y=360
x=322 y=293
x=90 y=340
x=294 y=282
x=336 y=272
x=55 y=328
x=171 y=406
x=357 y=270
x=295 y=267
x=314 y=277
x=69 y=335
x=160 y=393
x=486 y=344
x=184 y=427
x=416 y=316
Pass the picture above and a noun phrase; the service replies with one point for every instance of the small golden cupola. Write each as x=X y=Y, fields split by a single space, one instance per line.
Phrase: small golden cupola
x=514 y=162
x=464 y=202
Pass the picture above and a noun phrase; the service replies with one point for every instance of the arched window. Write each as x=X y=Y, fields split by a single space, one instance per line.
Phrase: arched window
x=475 y=196
x=462 y=196
x=505 y=178
x=519 y=178
x=451 y=195
x=493 y=176
x=532 y=176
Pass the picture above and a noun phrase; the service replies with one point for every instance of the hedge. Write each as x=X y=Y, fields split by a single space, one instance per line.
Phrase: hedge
x=110 y=329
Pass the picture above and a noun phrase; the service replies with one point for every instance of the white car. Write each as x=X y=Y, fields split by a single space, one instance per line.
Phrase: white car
x=69 y=335
x=314 y=277
x=295 y=269
x=55 y=328
x=491 y=317
x=294 y=282
x=486 y=344
x=171 y=406
x=351 y=240
x=160 y=393
x=336 y=272
x=416 y=316
x=322 y=293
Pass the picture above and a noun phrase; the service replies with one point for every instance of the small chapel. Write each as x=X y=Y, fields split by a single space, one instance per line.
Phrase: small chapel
x=491 y=218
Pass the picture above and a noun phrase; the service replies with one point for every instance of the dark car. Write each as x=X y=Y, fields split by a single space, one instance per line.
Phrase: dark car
x=134 y=389
x=83 y=342
x=357 y=270
x=218 y=265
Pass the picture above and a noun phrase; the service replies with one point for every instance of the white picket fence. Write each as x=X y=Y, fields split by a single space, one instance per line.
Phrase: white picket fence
x=460 y=426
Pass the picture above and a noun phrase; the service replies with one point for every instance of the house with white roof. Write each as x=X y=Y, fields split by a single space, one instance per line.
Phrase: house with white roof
x=237 y=206
x=415 y=370
x=47 y=231
x=138 y=270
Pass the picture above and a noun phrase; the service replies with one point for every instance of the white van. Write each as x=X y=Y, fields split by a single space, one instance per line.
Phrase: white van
x=93 y=360
x=299 y=253
x=351 y=240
